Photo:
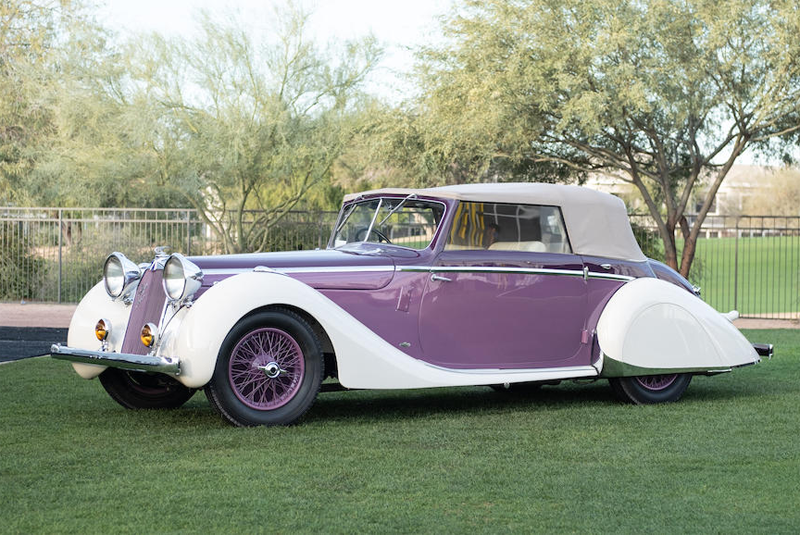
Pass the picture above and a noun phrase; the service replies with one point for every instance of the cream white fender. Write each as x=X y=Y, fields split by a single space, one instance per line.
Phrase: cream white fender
x=650 y=325
x=96 y=305
x=364 y=360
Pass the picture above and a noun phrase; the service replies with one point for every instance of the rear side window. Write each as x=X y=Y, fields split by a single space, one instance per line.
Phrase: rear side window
x=508 y=227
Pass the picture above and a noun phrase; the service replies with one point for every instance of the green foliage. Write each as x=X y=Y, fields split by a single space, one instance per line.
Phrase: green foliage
x=648 y=241
x=27 y=36
x=242 y=125
x=22 y=271
x=223 y=123
x=569 y=459
x=779 y=195
x=664 y=95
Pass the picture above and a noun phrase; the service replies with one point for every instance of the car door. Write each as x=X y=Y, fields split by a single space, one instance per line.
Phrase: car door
x=499 y=297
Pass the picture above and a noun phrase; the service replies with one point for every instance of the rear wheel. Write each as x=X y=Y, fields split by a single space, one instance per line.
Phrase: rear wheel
x=269 y=370
x=139 y=390
x=649 y=389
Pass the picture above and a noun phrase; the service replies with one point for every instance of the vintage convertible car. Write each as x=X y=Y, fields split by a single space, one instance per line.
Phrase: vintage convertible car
x=494 y=284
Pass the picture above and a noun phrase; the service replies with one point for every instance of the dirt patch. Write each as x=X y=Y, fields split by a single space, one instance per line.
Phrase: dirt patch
x=756 y=323
x=36 y=315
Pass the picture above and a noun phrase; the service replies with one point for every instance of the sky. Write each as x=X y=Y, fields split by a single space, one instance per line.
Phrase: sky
x=399 y=25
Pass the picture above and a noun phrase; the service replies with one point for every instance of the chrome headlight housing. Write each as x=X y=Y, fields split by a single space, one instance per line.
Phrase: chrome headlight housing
x=182 y=278
x=119 y=274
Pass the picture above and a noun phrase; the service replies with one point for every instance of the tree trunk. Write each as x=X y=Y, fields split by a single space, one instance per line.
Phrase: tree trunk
x=689 y=250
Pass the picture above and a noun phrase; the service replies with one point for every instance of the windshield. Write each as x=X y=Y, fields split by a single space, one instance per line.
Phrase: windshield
x=404 y=221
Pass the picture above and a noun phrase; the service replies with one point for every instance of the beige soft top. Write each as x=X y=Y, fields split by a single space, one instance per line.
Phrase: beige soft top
x=597 y=222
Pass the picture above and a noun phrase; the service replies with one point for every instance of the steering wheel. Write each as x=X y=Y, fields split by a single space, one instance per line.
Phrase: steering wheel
x=362 y=233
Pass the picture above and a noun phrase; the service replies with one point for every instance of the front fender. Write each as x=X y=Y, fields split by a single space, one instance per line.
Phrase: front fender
x=652 y=326
x=195 y=335
x=96 y=304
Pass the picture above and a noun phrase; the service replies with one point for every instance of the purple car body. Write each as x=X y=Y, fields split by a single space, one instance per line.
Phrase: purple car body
x=494 y=285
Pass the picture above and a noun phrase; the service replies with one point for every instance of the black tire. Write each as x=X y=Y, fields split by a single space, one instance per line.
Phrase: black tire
x=650 y=389
x=139 y=390
x=269 y=370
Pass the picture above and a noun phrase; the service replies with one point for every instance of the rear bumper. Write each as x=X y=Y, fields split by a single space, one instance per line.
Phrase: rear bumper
x=763 y=350
x=126 y=361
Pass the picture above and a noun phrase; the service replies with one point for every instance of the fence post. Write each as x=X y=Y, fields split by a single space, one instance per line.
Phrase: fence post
x=319 y=230
x=60 y=244
x=188 y=233
x=736 y=267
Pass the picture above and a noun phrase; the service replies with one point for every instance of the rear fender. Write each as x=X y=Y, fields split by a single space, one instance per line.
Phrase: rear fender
x=650 y=326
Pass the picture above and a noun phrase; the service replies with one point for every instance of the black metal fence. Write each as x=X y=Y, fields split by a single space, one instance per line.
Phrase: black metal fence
x=56 y=255
x=747 y=263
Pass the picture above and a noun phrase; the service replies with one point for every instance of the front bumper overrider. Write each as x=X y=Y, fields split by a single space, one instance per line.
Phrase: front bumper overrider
x=126 y=361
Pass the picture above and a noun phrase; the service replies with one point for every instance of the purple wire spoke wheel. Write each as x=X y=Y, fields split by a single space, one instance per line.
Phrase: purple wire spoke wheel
x=266 y=369
x=657 y=382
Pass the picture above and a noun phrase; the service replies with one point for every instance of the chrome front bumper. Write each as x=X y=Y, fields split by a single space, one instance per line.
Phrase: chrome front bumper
x=126 y=361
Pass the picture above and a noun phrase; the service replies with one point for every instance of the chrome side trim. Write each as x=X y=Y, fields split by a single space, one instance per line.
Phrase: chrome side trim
x=424 y=269
x=522 y=271
x=568 y=372
x=321 y=269
x=126 y=361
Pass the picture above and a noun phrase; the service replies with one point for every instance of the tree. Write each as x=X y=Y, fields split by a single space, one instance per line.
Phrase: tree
x=663 y=94
x=28 y=34
x=779 y=195
x=243 y=129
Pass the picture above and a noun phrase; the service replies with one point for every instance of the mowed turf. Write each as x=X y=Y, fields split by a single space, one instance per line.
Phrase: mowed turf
x=726 y=458
x=767 y=270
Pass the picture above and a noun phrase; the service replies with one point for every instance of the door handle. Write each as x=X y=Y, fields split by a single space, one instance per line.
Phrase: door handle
x=435 y=277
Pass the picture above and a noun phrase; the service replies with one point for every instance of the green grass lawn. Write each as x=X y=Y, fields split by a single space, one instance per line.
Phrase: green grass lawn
x=726 y=458
x=768 y=274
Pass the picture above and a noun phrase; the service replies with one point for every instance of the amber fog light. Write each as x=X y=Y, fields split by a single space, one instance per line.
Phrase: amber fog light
x=102 y=329
x=149 y=334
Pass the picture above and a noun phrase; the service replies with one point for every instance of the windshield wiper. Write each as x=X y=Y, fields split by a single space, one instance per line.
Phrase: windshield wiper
x=396 y=208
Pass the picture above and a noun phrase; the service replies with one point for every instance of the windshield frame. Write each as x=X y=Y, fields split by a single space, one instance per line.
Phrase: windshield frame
x=349 y=208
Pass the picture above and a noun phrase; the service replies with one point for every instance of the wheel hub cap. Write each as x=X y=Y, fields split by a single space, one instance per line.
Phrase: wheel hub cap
x=266 y=369
x=271 y=370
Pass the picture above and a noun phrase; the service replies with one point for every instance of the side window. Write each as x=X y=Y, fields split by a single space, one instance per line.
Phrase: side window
x=508 y=227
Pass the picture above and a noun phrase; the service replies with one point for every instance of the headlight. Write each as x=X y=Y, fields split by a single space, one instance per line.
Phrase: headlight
x=182 y=278
x=118 y=274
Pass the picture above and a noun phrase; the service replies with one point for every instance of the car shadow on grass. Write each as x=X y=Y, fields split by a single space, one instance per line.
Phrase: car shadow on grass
x=365 y=404
x=372 y=404
x=388 y=405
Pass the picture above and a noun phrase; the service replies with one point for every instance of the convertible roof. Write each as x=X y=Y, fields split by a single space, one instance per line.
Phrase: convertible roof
x=597 y=222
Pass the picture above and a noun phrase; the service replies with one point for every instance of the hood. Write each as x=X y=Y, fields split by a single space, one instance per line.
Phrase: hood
x=326 y=269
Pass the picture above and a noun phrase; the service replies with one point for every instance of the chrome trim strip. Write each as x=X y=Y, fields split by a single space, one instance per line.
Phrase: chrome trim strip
x=126 y=361
x=425 y=269
x=570 y=371
x=320 y=269
x=523 y=271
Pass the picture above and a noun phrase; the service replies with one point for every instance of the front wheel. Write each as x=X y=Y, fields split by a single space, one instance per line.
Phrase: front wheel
x=269 y=370
x=139 y=390
x=649 y=389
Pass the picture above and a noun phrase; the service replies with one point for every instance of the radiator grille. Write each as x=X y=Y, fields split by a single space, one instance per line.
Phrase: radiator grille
x=147 y=307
